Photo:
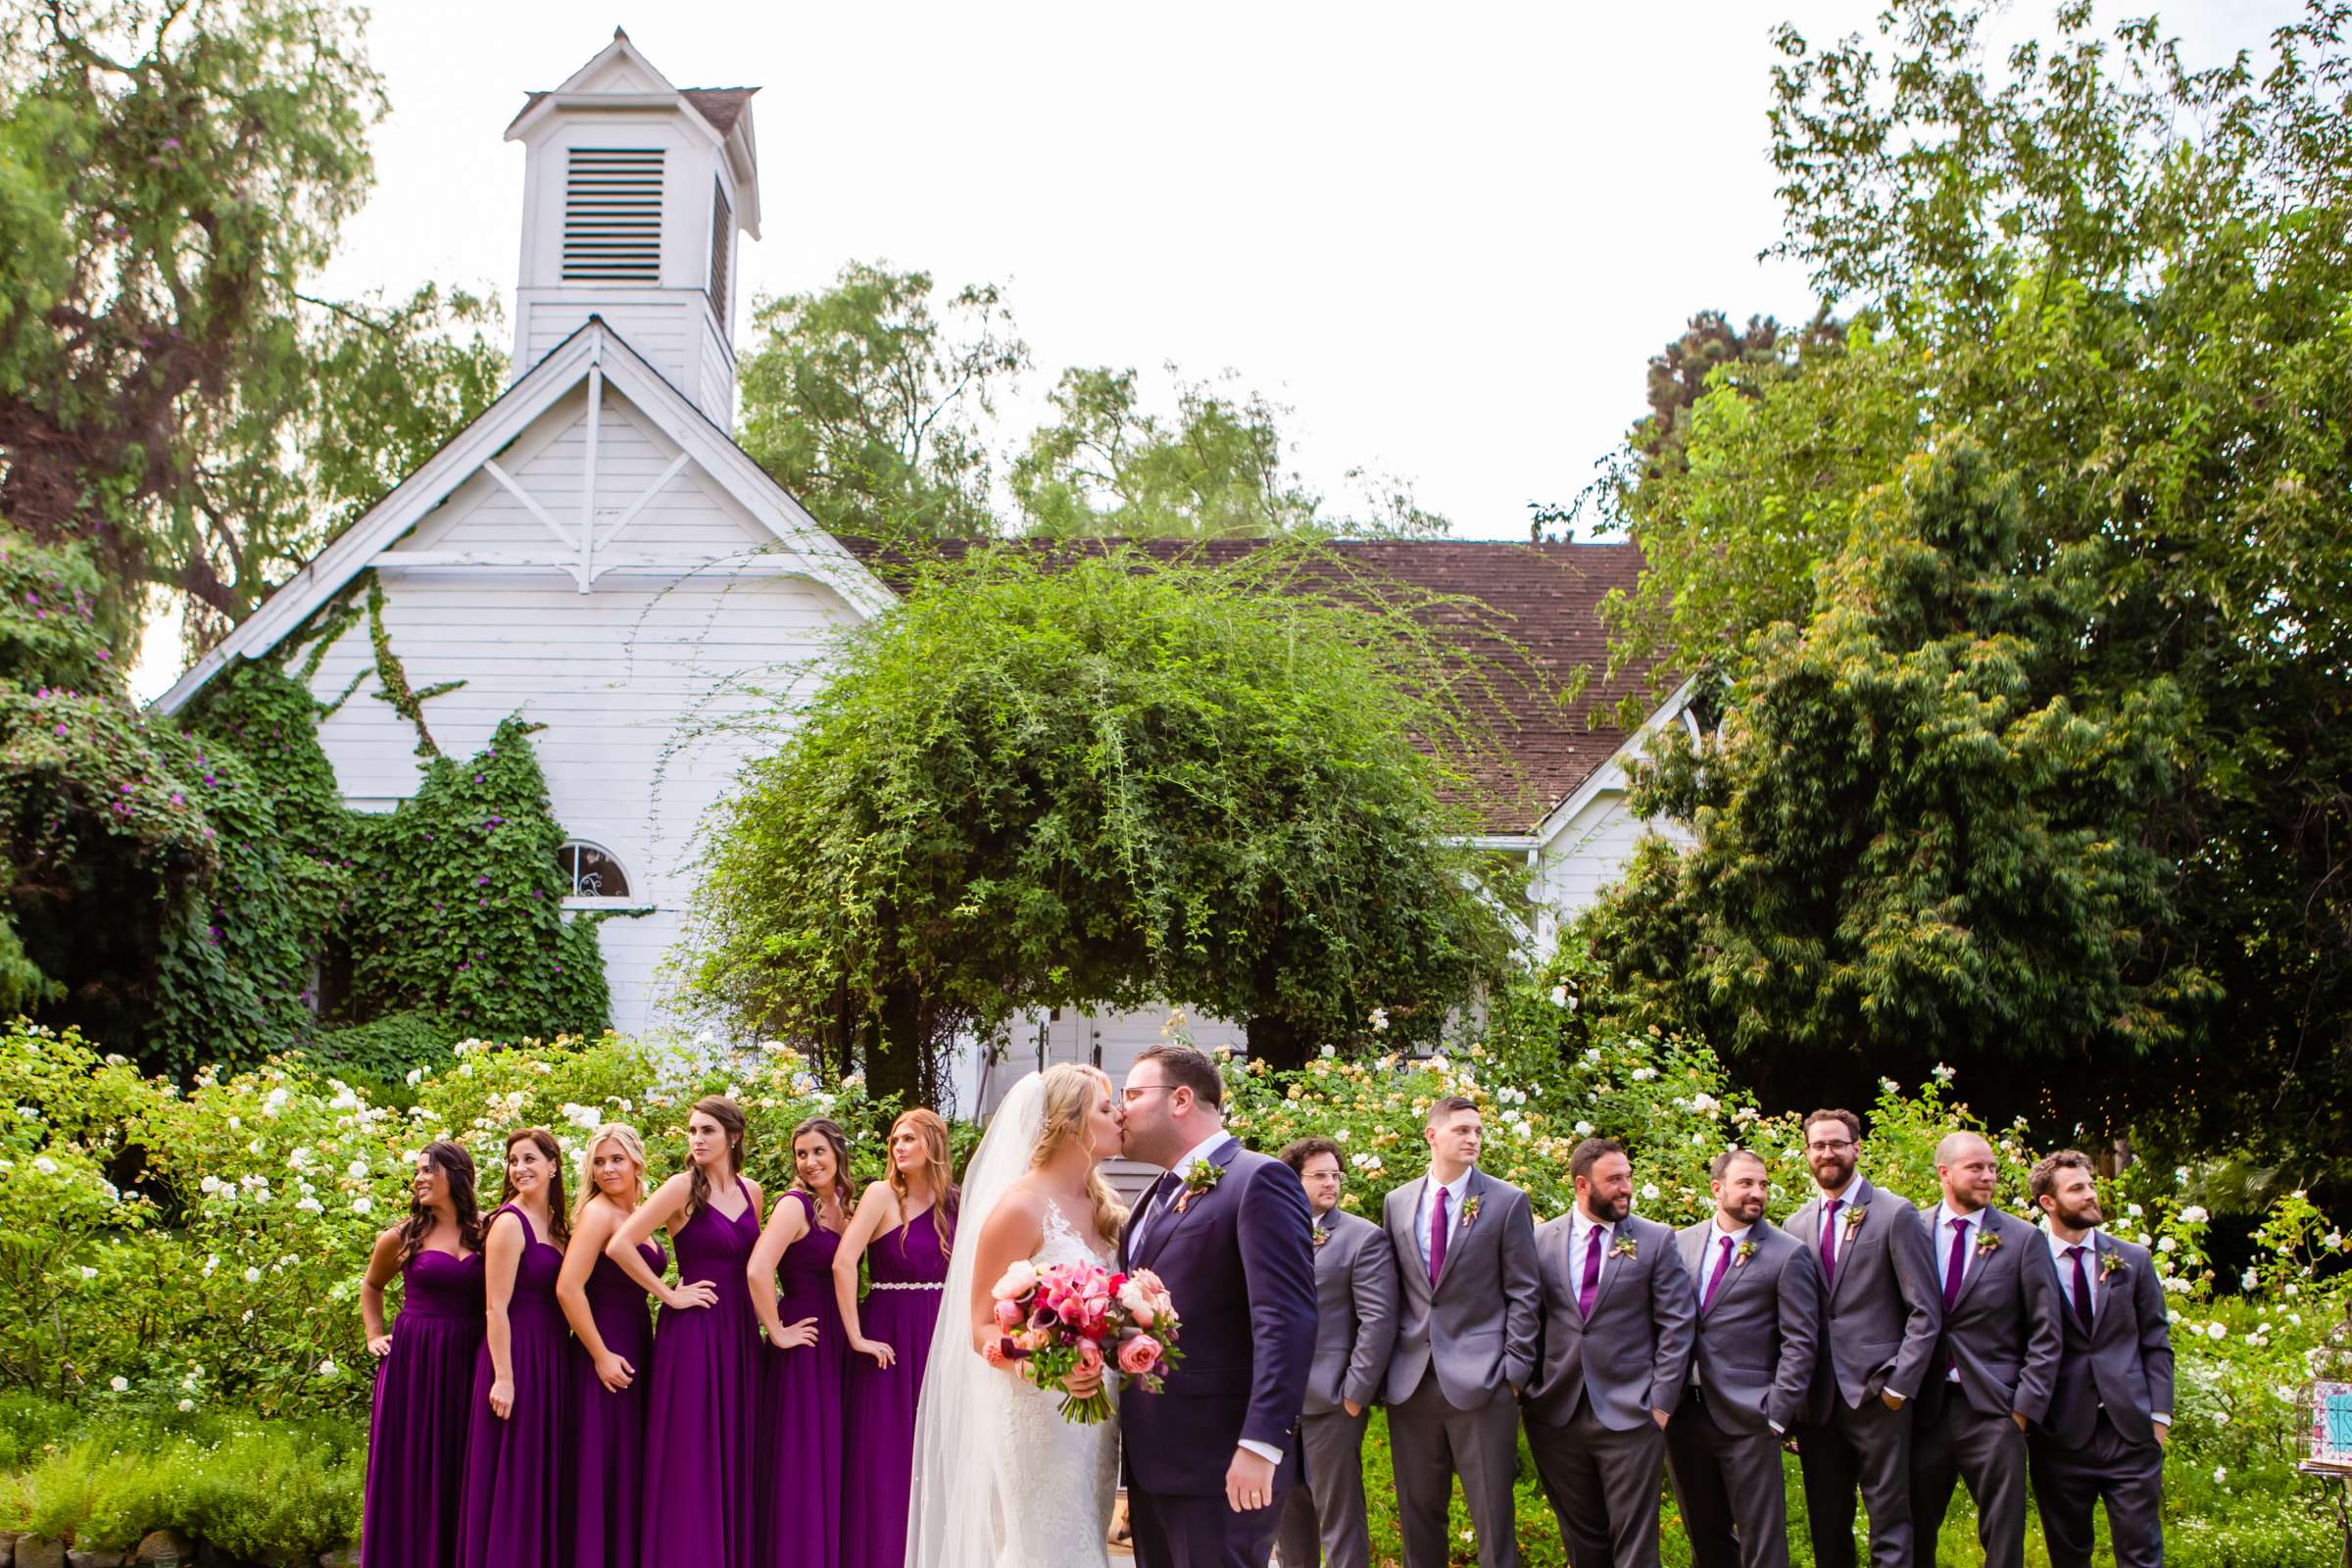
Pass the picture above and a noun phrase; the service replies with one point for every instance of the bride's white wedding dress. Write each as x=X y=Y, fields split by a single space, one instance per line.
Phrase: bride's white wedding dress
x=1001 y=1480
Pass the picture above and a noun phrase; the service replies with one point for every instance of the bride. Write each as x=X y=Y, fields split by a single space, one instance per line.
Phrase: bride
x=1001 y=1480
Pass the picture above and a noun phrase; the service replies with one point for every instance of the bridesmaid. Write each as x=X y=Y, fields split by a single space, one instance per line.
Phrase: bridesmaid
x=416 y=1431
x=909 y=1220
x=611 y=1361
x=696 y=1509
x=518 y=1483
x=800 y=1467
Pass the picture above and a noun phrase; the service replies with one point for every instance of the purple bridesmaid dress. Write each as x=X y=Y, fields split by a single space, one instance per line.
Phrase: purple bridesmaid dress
x=416 y=1431
x=910 y=1265
x=518 y=1472
x=698 y=1439
x=800 y=1442
x=611 y=1426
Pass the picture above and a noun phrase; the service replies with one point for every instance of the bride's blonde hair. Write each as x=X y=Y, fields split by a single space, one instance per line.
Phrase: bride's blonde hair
x=1070 y=1090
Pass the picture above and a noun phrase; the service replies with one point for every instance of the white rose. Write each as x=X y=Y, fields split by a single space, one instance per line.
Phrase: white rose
x=1559 y=996
x=2132 y=1211
x=2217 y=1331
x=2167 y=1244
x=356 y=1170
x=2248 y=1280
x=2219 y=1473
x=2193 y=1214
x=415 y=1076
x=362 y=1203
x=44 y=1164
x=311 y=1205
x=88 y=1273
x=120 y=1384
x=1649 y=1191
x=327 y=1368
x=252 y=1275
x=1583 y=1129
x=185 y=1405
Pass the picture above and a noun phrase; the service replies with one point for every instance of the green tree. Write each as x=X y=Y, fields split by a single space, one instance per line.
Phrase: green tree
x=870 y=405
x=1918 y=833
x=1098 y=778
x=170 y=174
x=2128 y=279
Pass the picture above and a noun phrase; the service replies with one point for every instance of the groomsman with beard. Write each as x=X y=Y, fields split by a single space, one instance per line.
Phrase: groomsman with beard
x=1997 y=1364
x=1752 y=1372
x=1467 y=1309
x=2111 y=1413
x=1356 y=1311
x=1618 y=1318
x=1880 y=1322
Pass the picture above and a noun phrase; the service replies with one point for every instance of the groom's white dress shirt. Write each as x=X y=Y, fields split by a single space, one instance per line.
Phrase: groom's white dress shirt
x=1151 y=1216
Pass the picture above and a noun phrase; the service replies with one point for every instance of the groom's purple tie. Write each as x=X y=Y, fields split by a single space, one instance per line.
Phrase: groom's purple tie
x=1436 y=1237
x=1592 y=1284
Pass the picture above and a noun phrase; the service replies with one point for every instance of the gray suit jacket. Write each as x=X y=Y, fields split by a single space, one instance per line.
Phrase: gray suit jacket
x=1355 y=1313
x=1883 y=1311
x=1630 y=1356
x=1476 y=1327
x=2125 y=1361
x=2003 y=1330
x=1758 y=1339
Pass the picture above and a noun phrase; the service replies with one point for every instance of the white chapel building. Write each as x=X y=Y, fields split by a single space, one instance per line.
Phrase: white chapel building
x=596 y=553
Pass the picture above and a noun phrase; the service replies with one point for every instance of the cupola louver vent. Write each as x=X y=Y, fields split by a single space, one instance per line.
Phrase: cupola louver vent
x=612 y=215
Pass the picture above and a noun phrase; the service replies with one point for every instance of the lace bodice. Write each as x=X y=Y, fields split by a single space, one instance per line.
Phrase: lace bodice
x=1063 y=1243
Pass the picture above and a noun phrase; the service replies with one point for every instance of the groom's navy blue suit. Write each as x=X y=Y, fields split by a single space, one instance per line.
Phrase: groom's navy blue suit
x=1239 y=1262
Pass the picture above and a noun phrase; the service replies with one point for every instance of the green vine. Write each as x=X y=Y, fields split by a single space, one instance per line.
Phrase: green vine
x=393 y=678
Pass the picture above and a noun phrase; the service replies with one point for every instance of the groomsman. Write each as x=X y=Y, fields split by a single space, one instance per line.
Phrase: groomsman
x=1880 y=1323
x=1355 y=1327
x=1752 y=1372
x=2111 y=1414
x=1618 y=1316
x=1465 y=1342
x=1998 y=1360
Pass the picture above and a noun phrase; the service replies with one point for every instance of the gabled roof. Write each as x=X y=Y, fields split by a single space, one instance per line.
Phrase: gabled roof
x=1550 y=700
x=593 y=347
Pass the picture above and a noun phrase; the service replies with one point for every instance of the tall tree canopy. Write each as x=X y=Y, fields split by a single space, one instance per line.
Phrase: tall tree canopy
x=171 y=175
x=1101 y=778
x=2127 y=280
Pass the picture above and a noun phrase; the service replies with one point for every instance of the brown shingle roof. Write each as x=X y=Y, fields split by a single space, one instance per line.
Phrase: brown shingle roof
x=1545 y=605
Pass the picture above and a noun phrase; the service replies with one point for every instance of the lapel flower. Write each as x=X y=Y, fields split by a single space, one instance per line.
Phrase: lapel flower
x=2111 y=1263
x=1743 y=1253
x=1988 y=1241
x=1625 y=1247
x=1469 y=1210
x=1199 y=1177
x=1321 y=1235
x=1854 y=1218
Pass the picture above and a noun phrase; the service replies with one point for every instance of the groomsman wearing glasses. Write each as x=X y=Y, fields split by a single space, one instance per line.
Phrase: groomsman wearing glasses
x=1998 y=1360
x=1881 y=1319
x=2112 y=1411
x=1618 y=1318
x=1355 y=1313
x=1466 y=1318
x=1751 y=1371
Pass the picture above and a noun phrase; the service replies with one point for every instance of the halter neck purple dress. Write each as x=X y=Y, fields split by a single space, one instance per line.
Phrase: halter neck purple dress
x=417 y=1429
x=611 y=1433
x=909 y=1266
x=697 y=1499
x=519 y=1475
x=800 y=1441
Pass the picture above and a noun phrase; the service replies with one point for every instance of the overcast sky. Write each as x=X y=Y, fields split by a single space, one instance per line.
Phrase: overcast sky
x=1449 y=238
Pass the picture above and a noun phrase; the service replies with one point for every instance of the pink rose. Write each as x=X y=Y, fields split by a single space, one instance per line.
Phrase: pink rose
x=1139 y=1354
x=1090 y=1357
x=1143 y=1314
x=1018 y=1280
x=1009 y=1314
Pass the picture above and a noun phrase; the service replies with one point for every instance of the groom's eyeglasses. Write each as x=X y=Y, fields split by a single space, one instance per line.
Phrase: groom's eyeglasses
x=1135 y=1092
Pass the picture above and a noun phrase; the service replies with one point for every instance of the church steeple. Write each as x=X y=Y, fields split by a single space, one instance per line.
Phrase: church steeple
x=633 y=195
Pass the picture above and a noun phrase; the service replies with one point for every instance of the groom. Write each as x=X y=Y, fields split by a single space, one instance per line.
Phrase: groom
x=1208 y=1458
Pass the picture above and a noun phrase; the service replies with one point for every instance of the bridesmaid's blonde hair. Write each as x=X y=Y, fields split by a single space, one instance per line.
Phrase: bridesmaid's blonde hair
x=617 y=1131
x=1071 y=1088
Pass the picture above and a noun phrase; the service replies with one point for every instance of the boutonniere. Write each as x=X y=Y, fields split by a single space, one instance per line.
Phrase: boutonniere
x=1987 y=1241
x=1321 y=1235
x=1741 y=1253
x=1625 y=1247
x=1854 y=1218
x=1469 y=1210
x=2111 y=1263
x=1198 y=1178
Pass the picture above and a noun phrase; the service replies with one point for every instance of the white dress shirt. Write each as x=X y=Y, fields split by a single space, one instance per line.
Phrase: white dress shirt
x=1455 y=1190
x=1707 y=1259
x=1941 y=1223
x=1837 y=1229
x=1151 y=1216
x=1580 y=1226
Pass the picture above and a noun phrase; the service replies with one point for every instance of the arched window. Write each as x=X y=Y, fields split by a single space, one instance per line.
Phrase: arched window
x=591 y=871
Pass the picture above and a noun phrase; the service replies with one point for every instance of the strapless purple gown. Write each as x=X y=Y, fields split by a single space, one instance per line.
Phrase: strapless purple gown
x=800 y=1411
x=698 y=1441
x=900 y=1310
x=416 y=1430
x=611 y=1472
x=518 y=1473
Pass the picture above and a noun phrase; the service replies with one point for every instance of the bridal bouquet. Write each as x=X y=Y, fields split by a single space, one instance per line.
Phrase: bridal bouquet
x=1069 y=1316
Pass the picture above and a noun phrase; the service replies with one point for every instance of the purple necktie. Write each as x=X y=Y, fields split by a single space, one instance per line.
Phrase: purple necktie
x=1722 y=1262
x=1829 y=1240
x=1437 y=1236
x=1585 y=1291
x=1956 y=1269
x=2082 y=1287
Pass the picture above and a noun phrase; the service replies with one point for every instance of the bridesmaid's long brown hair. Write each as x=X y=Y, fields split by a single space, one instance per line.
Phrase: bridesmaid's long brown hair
x=729 y=1116
x=945 y=1195
x=830 y=1130
x=465 y=1201
x=559 y=1217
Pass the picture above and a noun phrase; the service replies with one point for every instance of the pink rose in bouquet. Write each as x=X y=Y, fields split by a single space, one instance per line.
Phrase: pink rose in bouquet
x=1076 y=1317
